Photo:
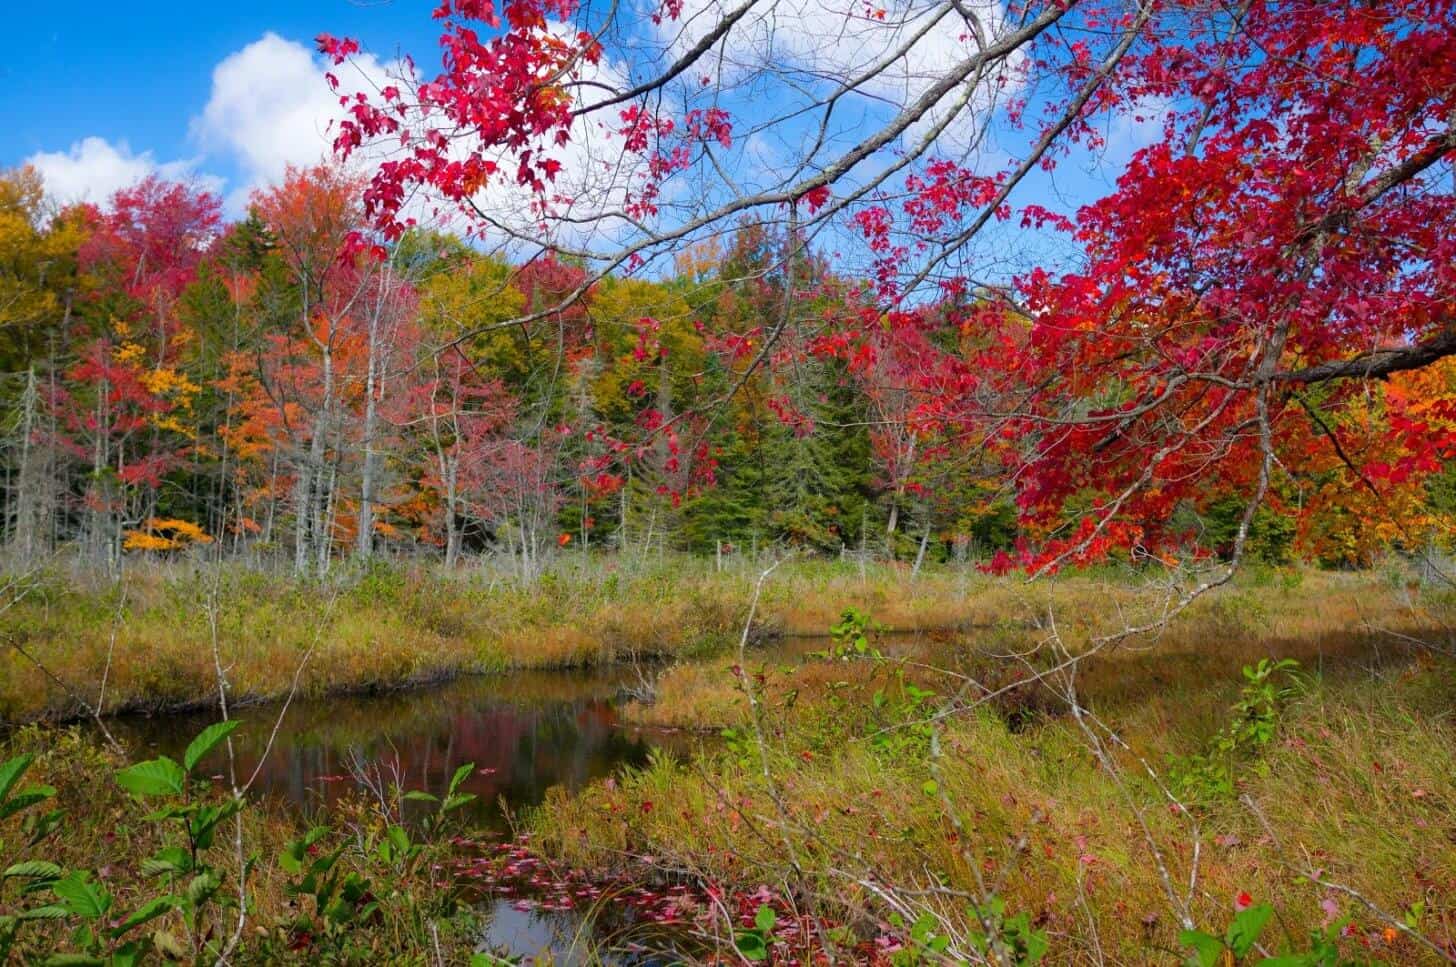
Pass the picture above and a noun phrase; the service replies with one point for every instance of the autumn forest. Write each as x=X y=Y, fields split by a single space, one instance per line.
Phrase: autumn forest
x=949 y=482
x=179 y=381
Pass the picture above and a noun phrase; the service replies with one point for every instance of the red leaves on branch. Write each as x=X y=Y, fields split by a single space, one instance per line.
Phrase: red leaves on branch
x=1281 y=222
x=1290 y=221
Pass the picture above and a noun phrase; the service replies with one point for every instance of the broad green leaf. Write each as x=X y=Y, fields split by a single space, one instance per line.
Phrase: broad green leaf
x=155 y=777
x=176 y=811
x=398 y=838
x=751 y=946
x=169 y=859
x=294 y=853
x=149 y=911
x=127 y=955
x=10 y=772
x=460 y=776
x=1244 y=931
x=1037 y=946
x=33 y=869
x=38 y=826
x=48 y=912
x=204 y=826
x=82 y=897
x=415 y=795
x=25 y=798
x=1207 y=949
x=201 y=888
x=765 y=918
x=457 y=800
x=339 y=910
x=206 y=741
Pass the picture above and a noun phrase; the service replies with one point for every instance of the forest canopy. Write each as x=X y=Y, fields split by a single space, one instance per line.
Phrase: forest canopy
x=456 y=336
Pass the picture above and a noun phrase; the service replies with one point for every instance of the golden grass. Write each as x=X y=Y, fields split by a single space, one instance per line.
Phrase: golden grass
x=1363 y=781
x=389 y=628
x=1359 y=784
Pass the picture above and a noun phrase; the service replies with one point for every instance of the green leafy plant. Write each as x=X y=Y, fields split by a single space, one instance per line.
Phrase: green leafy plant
x=193 y=883
x=452 y=800
x=1011 y=939
x=1211 y=774
x=24 y=877
x=754 y=944
x=1239 y=942
x=486 y=959
x=84 y=905
x=363 y=876
x=339 y=898
x=76 y=899
x=850 y=636
x=921 y=942
x=336 y=901
x=740 y=744
x=904 y=726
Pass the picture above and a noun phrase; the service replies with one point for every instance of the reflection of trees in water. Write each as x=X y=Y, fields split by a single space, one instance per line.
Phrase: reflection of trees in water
x=522 y=741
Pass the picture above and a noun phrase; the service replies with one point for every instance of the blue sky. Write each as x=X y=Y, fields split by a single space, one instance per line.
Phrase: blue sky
x=139 y=74
x=100 y=95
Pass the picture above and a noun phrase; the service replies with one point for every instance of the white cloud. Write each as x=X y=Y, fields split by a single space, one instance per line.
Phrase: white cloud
x=271 y=107
x=94 y=169
x=1136 y=126
x=823 y=43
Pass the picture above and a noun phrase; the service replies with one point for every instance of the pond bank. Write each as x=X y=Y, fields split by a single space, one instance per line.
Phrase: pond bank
x=841 y=792
x=146 y=643
x=844 y=811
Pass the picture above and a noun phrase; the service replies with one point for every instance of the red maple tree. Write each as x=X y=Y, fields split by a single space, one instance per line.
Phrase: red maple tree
x=1288 y=235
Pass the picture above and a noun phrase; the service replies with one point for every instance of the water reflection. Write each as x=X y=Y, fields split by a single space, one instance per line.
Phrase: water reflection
x=525 y=733
x=574 y=940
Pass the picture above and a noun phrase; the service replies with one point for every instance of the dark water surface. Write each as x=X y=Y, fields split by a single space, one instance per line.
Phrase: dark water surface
x=525 y=732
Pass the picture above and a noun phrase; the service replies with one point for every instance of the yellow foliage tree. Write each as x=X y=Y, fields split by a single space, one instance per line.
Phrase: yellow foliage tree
x=161 y=535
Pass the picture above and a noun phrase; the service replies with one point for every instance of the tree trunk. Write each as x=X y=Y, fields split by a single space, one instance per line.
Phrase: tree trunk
x=27 y=486
x=452 y=529
x=371 y=389
x=920 y=554
x=100 y=458
x=323 y=533
x=303 y=516
x=311 y=494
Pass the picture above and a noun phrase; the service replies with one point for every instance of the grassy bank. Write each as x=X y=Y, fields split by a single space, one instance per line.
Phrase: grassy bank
x=150 y=635
x=1344 y=623
x=860 y=796
x=931 y=777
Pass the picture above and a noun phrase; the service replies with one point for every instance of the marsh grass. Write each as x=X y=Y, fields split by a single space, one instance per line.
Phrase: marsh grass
x=391 y=626
x=1362 y=782
x=1358 y=786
